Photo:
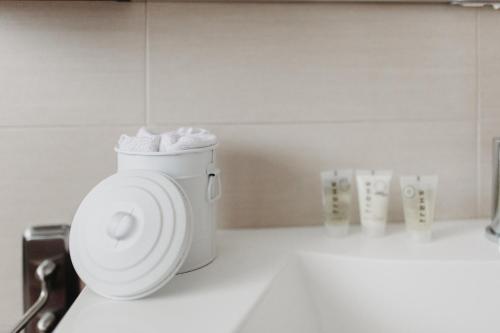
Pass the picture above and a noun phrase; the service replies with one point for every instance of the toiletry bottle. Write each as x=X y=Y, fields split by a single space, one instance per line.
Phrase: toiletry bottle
x=373 y=195
x=419 y=199
x=337 y=193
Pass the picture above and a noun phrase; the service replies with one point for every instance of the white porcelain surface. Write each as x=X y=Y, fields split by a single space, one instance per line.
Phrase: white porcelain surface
x=325 y=293
x=300 y=280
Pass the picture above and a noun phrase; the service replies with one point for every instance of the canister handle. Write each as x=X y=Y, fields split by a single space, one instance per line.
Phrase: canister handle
x=213 y=177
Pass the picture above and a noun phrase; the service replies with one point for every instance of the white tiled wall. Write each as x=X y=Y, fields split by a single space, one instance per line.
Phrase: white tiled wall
x=290 y=89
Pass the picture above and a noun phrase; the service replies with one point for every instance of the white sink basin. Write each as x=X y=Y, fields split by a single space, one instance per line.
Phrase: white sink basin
x=328 y=293
x=299 y=280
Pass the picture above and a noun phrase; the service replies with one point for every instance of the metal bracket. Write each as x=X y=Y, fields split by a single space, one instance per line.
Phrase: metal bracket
x=50 y=284
x=43 y=272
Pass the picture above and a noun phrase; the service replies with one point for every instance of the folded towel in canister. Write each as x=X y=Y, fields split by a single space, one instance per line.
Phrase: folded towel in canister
x=181 y=139
x=186 y=138
x=139 y=144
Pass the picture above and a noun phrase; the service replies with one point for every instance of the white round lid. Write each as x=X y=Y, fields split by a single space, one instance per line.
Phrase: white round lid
x=131 y=234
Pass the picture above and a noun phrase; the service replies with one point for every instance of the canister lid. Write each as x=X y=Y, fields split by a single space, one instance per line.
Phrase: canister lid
x=131 y=234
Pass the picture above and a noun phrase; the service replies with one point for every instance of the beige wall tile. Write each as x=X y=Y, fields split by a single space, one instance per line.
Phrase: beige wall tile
x=310 y=62
x=271 y=172
x=489 y=60
x=71 y=63
x=45 y=175
x=489 y=71
x=490 y=128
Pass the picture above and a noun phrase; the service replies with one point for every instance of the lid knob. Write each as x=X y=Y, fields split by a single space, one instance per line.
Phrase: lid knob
x=121 y=225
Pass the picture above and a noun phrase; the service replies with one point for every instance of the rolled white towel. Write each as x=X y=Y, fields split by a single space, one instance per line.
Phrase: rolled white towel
x=139 y=144
x=186 y=138
x=183 y=138
x=168 y=139
x=143 y=132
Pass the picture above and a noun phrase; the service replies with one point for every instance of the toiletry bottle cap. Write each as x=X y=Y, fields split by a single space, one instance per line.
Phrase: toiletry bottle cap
x=131 y=234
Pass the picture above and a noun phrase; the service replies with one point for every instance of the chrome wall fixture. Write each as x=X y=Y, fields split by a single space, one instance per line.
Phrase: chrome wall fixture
x=50 y=284
x=475 y=4
x=493 y=230
x=43 y=272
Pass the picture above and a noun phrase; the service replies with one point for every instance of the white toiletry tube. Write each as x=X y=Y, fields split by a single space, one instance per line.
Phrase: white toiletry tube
x=373 y=196
x=419 y=200
x=337 y=198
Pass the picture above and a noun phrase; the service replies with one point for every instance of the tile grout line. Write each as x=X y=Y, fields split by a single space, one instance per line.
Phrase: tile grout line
x=68 y=126
x=229 y=123
x=478 y=114
x=312 y=122
x=146 y=65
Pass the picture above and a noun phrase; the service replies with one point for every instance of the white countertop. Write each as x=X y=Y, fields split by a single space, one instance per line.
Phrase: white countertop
x=217 y=297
